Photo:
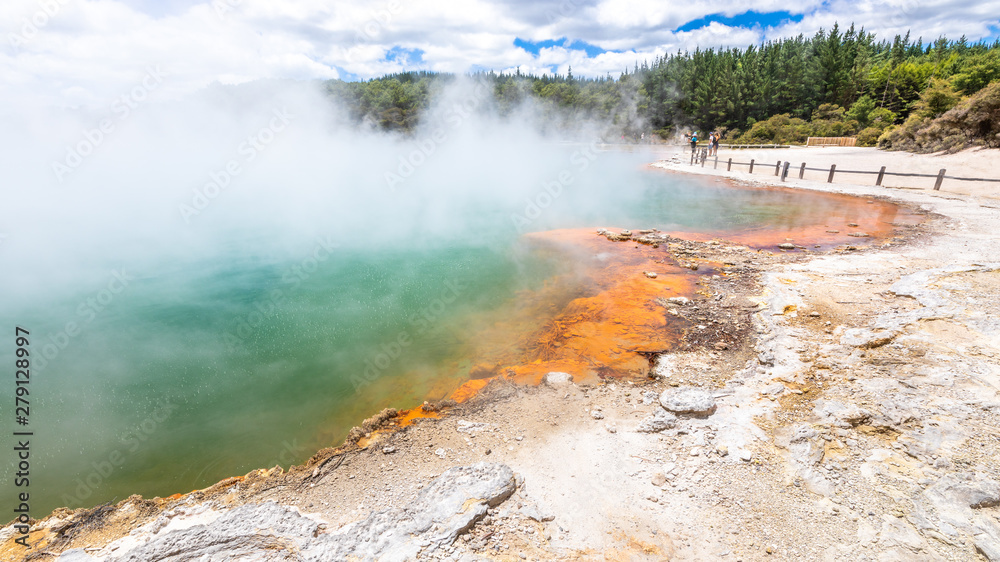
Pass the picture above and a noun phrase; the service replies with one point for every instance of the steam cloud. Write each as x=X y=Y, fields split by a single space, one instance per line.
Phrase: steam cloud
x=265 y=167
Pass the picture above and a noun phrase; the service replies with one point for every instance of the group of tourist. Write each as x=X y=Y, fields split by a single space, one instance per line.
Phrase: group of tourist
x=713 y=142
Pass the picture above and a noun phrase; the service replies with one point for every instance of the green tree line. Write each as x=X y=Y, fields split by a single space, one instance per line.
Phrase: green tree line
x=835 y=83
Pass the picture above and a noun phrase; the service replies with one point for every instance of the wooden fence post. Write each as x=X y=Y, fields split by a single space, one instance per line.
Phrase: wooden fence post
x=716 y=160
x=784 y=172
x=751 y=165
x=777 y=168
x=692 y=158
x=937 y=182
x=833 y=168
x=802 y=170
x=881 y=174
x=704 y=156
x=729 y=166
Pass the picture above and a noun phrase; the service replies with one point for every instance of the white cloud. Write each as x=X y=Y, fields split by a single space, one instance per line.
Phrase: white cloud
x=87 y=52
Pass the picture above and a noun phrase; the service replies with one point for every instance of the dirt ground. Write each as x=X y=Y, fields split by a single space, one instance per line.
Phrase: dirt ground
x=856 y=417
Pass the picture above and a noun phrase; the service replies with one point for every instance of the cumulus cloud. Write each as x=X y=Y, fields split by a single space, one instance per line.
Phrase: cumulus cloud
x=86 y=52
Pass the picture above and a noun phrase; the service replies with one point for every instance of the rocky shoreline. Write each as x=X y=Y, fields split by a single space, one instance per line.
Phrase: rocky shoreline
x=822 y=406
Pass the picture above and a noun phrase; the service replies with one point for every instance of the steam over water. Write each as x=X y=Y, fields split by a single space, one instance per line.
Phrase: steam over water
x=233 y=281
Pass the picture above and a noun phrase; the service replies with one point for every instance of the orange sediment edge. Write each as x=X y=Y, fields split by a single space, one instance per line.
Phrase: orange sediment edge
x=407 y=417
x=469 y=389
x=461 y=394
x=600 y=333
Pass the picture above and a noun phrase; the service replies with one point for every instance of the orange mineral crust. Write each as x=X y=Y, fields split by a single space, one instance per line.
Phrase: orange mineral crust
x=609 y=316
x=406 y=417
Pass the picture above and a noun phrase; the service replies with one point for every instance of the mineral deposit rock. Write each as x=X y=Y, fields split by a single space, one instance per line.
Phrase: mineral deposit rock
x=690 y=401
x=660 y=421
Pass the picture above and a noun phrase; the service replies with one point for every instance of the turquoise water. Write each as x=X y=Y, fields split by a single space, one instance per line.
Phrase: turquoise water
x=185 y=371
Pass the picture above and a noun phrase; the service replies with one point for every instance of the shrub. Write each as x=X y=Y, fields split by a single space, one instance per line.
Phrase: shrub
x=783 y=129
x=978 y=117
x=973 y=121
x=869 y=136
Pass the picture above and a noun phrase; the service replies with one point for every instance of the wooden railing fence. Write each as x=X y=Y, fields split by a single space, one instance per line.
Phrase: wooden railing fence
x=781 y=169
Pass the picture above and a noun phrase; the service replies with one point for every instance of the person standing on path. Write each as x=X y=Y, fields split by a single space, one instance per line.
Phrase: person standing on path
x=694 y=142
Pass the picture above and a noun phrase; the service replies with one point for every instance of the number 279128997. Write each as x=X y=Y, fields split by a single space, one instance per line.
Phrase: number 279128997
x=23 y=376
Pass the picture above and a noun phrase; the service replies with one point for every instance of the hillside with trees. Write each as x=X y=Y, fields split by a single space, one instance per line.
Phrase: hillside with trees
x=899 y=94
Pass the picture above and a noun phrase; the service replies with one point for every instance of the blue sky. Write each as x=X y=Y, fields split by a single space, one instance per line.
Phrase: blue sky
x=996 y=33
x=536 y=47
x=746 y=19
x=404 y=56
x=87 y=52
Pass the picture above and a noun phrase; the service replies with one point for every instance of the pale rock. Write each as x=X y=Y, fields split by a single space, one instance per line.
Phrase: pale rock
x=558 y=379
x=976 y=491
x=897 y=532
x=660 y=421
x=535 y=514
x=690 y=401
x=867 y=339
x=465 y=426
x=268 y=532
x=986 y=538
x=664 y=367
x=775 y=389
x=841 y=415
x=917 y=285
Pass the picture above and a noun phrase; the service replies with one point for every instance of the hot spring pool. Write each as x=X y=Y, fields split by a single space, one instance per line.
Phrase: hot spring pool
x=187 y=368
